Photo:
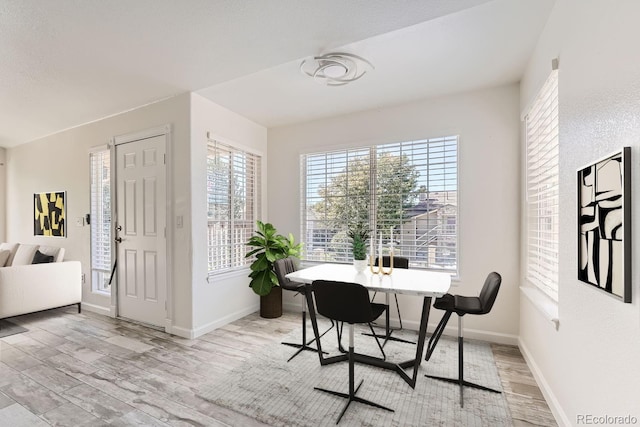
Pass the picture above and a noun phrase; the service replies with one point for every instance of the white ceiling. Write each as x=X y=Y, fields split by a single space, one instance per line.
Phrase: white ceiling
x=69 y=62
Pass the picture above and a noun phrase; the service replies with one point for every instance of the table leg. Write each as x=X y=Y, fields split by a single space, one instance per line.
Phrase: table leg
x=424 y=319
x=369 y=360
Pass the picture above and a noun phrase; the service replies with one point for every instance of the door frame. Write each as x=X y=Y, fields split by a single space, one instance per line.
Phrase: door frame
x=165 y=131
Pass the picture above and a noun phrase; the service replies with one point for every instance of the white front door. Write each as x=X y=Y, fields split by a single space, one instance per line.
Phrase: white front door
x=140 y=230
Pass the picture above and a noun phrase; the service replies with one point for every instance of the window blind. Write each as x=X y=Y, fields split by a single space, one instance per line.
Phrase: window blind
x=233 y=204
x=542 y=189
x=408 y=189
x=100 y=165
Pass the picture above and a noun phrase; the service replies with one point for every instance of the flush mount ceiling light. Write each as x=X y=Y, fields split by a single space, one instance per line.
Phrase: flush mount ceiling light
x=336 y=68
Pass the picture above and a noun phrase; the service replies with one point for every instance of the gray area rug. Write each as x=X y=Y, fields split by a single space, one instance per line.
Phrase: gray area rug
x=278 y=393
x=7 y=328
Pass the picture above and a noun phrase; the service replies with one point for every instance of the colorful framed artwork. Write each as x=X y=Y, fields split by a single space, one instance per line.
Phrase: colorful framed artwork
x=50 y=214
x=604 y=224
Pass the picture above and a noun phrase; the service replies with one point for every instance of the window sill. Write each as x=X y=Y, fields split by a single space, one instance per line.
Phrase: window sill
x=544 y=304
x=215 y=276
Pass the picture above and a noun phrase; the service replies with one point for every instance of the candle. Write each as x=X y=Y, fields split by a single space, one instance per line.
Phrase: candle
x=380 y=245
x=372 y=249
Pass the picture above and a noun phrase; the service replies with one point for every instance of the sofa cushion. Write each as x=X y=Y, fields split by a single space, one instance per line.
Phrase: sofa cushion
x=56 y=252
x=40 y=258
x=24 y=254
x=4 y=256
x=12 y=247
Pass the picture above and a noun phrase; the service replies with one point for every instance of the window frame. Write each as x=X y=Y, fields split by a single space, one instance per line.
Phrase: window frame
x=542 y=175
x=100 y=274
x=374 y=153
x=236 y=247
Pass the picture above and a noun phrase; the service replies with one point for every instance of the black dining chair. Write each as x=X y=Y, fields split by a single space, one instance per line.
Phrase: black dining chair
x=348 y=302
x=462 y=305
x=282 y=267
x=398 y=262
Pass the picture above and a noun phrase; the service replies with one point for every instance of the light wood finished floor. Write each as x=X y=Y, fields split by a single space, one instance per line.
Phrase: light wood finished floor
x=84 y=369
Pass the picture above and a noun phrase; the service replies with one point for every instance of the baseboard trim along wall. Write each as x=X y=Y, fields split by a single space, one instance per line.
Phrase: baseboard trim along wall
x=554 y=405
x=96 y=308
x=450 y=330
x=201 y=330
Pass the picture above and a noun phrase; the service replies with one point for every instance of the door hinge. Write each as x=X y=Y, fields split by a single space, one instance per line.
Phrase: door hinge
x=164 y=158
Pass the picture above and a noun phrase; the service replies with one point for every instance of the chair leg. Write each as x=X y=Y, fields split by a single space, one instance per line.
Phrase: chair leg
x=388 y=331
x=460 y=380
x=339 y=332
x=398 y=308
x=305 y=345
x=351 y=396
x=437 y=333
x=384 y=356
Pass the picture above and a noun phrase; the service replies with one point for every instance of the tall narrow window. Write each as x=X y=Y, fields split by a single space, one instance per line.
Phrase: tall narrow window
x=407 y=189
x=542 y=189
x=233 y=203
x=100 y=219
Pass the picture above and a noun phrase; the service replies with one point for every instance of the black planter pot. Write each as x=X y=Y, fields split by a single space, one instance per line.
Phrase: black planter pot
x=271 y=305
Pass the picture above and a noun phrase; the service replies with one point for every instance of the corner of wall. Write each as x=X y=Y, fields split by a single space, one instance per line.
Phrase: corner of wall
x=3 y=191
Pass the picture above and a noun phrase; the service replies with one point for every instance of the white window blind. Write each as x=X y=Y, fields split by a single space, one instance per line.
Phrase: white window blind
x=233 y=203
x=542 y=189
x=100 y=219
x=408 y=189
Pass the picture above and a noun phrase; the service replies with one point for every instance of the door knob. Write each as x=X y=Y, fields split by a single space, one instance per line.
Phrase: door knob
x=118 y=239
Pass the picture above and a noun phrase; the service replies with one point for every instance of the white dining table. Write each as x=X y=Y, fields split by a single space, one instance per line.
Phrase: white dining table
x=427 y=284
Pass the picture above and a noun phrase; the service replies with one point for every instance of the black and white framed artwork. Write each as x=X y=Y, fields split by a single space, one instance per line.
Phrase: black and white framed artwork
x=604 y=224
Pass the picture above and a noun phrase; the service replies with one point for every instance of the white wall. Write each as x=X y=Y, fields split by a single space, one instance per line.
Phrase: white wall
x=3 y=190
x=591 y=364
x=221 y=299
x=61 y=162
x=487 y=122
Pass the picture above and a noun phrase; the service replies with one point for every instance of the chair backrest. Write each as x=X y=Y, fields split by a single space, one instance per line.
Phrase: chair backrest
x=282 y=267
x=489 y=291
x=398 y=262
x=343 y=301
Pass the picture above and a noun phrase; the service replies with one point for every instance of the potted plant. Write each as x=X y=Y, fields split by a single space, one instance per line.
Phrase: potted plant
x=269 y=246
x=359 y=233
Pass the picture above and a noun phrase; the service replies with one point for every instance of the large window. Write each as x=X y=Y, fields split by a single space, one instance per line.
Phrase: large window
x=542 y=189
x=233 y=203
x=408 y=189
x=100 y=219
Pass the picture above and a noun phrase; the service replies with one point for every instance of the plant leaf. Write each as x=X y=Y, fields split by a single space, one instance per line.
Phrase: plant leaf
x=261 y=263
x=262 y=282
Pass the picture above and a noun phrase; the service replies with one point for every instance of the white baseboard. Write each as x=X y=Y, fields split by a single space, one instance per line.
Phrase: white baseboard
x=201 y=330
x=474 y=334
x=106 y=311
x=181 y=332
x=292 y=307
x=552 y=401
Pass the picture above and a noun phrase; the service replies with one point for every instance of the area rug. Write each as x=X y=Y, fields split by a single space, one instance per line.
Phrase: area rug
x=7 y=328
x=275 y=392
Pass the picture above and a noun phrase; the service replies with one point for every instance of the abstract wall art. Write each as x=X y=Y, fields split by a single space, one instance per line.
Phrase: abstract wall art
x=49 y=211
x=604 y=224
